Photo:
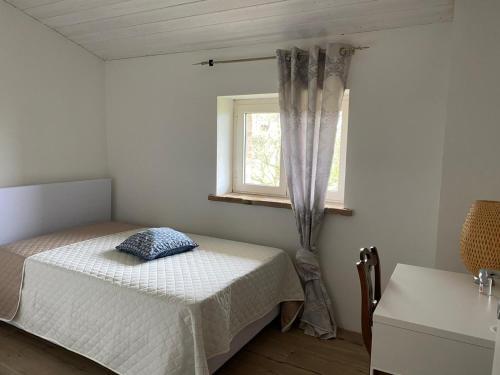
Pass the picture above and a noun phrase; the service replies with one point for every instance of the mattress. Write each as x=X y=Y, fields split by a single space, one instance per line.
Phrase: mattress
x=167 y=316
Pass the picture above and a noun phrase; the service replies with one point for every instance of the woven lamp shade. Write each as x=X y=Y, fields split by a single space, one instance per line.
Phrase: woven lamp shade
x=480 y=240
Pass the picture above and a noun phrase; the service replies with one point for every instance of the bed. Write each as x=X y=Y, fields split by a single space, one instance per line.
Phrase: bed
x=184 y=314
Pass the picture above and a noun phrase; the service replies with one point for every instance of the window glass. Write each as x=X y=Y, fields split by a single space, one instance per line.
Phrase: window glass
x=262 y=149
x=334 y=180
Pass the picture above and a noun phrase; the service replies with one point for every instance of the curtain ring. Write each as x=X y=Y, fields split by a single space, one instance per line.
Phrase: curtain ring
x=345 y=51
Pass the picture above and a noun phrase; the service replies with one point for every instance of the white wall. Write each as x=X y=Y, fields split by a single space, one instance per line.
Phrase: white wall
x=161 y=124
x=51 y=105
x=471 y=163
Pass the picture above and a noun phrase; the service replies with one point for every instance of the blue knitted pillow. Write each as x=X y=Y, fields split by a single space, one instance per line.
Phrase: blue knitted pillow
x=156 y=243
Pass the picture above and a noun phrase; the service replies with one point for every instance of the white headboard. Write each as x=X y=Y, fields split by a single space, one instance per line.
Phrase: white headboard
x=27 y=211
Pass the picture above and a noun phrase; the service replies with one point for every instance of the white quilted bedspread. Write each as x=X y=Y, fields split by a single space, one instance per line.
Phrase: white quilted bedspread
x=165 y=316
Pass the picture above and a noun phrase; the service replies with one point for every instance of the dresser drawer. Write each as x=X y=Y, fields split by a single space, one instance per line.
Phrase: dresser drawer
x=404 y=352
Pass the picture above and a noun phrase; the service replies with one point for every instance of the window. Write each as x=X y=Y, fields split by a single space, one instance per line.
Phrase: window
x=258 y=166
x=336 y=183
x=258 y=159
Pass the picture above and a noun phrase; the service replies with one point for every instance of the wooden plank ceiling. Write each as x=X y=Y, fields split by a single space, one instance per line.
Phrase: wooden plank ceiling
x=115 y=29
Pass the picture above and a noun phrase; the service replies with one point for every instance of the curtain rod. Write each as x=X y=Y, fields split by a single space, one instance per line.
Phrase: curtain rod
x=343 y=51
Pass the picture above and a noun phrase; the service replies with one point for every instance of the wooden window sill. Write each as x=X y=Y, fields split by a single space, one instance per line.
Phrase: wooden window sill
x=258 y=200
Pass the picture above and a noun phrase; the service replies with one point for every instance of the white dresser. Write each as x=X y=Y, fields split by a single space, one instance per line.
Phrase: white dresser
x=496 y=359
x=433 y=322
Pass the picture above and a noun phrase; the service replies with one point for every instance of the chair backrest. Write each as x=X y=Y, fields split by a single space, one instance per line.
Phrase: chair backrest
x=370 y=294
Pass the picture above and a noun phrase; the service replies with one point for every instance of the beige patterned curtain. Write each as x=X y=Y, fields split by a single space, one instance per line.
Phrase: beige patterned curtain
x=311 y=88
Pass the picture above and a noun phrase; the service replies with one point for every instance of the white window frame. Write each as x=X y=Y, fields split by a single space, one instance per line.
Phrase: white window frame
x=338 y=196
x=271 y=105
x=241 y=107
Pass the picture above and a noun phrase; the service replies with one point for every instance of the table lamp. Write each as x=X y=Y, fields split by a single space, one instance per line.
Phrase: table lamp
x=480 y=239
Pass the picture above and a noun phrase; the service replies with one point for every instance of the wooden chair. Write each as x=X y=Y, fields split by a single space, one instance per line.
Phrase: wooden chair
x=370 y=295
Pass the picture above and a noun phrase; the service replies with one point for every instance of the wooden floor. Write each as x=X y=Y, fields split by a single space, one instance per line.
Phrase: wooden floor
x=271 y=352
